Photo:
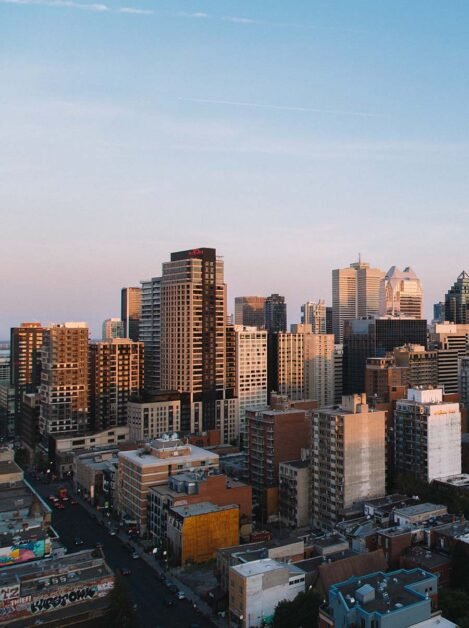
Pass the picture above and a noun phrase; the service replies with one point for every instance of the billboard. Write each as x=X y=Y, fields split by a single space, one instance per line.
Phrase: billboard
x=24 y=551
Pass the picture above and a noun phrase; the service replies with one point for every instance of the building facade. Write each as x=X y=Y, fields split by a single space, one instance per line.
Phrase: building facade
x=249 y=312
x=131 y=301
x=150 y=332
x=251 y=372
x=401 y=294
x=112 y=328
x=64 y=386
x=25 y=347
x=314 y=314
x=275 y=313
x=347 y=458
x=427 y=433
x=457 y=300
x=151 y=416
x=116 y=373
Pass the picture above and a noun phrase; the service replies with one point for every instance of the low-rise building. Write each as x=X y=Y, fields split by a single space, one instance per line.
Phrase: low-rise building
x=63 y=447
x=418 y=513
x=196 y=531
x=55 y=591
x=397 y=599
x=193 y=488
x=257 y=587
x=94 y=476
x=152 y=465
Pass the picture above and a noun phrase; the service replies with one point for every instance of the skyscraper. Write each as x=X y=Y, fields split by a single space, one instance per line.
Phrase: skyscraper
x=355 y=294
x=150 y=332
x=25 y=347
x=193 y=338
x=251 y=372
x=113 y=328
x=249 y=311
x=131 y=299
x=457 y=300
x=64 y=379
x=401 y=294
x=314 y=314
x=275 y=310
x=116 y=373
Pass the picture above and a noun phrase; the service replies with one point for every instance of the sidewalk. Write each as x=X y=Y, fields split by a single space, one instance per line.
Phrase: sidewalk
x=150 y=560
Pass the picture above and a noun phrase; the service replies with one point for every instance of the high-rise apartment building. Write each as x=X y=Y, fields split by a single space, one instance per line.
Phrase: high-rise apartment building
x=275 y=313
x=251 y=372
x=439 y=315
x=347 y=458
x=427 y=433
x=463 y=388
x=319 y=368
x=401 y=294
x=355 y=294
x=451 y=342
x=314 y=314
x=275 y=435
x=5 y=363
x=305 y=365
x=113 y=328
x=25 y=374
x=150 y=332
x=193 y=340
x=249 y=311
x=457 y=300
x=290 y=364
x=64 y=386
x=131 y=300
x=116 y=373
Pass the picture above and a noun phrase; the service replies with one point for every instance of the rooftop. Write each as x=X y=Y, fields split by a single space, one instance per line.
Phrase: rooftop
x=419 y=509
x=265 y=565
x=297 y=464
x=145 y=458
x=52 y=573
x=459 y=481
x=382 y=592
x=426 y=558
x=202 y=508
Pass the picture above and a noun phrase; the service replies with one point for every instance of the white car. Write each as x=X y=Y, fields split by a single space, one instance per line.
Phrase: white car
x=135 y=555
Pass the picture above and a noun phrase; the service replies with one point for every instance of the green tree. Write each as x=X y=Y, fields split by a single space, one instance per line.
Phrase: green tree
x=302 y=612
x=121 y=611
x=454 y=605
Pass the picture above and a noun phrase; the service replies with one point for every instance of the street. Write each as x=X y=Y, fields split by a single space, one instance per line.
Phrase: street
x=145 y=589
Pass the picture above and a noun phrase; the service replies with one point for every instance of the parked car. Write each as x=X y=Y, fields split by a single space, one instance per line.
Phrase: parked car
x=112 y=531
x=125 y=571
x=59 y=505
x=77 y=541
x=135 y=555
x=180 y=595
x=73 y=502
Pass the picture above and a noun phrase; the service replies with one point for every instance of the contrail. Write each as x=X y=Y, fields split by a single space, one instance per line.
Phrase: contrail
x=234 y=103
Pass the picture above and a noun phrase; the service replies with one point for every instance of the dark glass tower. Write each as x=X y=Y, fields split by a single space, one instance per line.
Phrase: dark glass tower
x=457 y=300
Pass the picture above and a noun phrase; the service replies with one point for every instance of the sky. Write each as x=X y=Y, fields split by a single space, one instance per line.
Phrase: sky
x=291 y=136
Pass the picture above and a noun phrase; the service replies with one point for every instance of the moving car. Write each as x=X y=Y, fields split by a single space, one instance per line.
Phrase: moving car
x=135 y=555
x=77 y=541
x=181 y=595
x=125 y=571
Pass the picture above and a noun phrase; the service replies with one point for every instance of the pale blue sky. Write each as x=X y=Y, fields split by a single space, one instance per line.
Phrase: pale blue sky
x=288 y=135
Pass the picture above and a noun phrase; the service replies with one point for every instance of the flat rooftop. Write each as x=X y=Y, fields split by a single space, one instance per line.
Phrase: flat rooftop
x=143 y=458
x=419 y=509
x=459 y=481
x=392 y=591
x=52 y=573
x=264 y=565
x=426 y=558
x=202 y=508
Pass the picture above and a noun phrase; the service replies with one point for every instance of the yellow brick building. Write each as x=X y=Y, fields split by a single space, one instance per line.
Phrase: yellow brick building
x=196 y=531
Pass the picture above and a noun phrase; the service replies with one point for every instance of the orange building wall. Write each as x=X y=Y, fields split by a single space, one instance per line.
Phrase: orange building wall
x=202 y=535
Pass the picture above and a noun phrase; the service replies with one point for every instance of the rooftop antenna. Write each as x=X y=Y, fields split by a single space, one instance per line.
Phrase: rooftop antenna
x=359 y=258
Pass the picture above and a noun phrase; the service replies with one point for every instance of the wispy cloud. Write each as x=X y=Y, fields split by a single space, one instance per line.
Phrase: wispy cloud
x=239 y=20
x=83 y=6
x=254 y=105
x=197 y=15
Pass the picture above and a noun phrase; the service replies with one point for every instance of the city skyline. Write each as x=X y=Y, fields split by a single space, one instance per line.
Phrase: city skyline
x=340 y=129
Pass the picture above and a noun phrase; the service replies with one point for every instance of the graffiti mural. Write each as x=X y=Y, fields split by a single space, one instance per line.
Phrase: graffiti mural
x=55 y=601
x=22 y=552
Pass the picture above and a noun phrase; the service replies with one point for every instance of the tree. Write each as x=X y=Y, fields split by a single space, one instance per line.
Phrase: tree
x=121 y=611
x=302 y=612
x=454 y=605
